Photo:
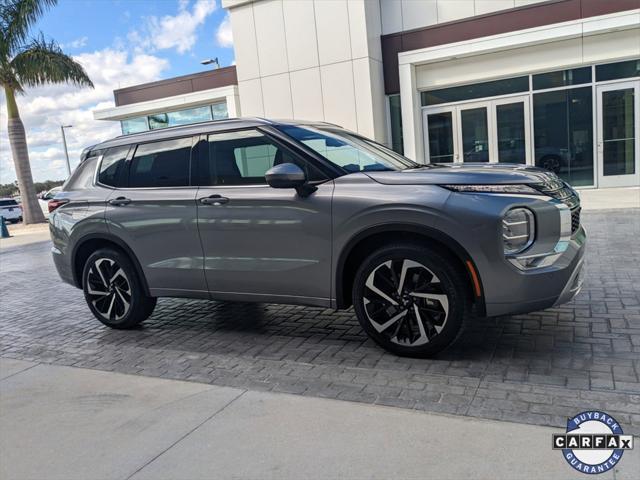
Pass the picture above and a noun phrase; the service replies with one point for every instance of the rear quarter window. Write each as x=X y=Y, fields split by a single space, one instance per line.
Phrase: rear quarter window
x=82 y=177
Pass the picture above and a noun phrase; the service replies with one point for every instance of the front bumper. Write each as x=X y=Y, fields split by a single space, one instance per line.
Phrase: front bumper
x=529 y=291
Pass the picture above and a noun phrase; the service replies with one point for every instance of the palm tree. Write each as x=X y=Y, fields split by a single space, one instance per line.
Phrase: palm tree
x=29 y=62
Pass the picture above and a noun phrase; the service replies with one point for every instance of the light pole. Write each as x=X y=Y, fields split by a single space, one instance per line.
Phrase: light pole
x=66 y=152
x=211 y=61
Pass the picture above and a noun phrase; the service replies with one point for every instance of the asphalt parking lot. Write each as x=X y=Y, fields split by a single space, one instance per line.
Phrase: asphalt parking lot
x=537 y=368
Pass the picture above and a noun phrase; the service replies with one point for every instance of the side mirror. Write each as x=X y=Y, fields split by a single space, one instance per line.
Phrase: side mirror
x=285 y=175
x=289 y=175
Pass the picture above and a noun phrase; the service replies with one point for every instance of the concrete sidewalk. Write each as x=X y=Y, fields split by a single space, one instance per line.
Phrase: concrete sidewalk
x=68 y=423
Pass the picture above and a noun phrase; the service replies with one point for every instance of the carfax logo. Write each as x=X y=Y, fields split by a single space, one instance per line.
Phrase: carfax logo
x=594 y=442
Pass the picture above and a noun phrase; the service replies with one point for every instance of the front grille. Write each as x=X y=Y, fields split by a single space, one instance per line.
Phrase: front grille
x=552 y=186
x=575 y=220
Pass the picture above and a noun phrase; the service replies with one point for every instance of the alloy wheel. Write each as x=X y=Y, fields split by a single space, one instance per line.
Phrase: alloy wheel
x=109 y=289
x=405 y=302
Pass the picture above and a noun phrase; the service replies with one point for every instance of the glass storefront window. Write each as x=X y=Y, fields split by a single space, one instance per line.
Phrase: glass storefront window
x=134 y=125
x=191 y=115
x=615 y=71
x=562 y=78
x=563 y=131
x=219 y=111
x=395 y=117
x=476 y=90
x=159 y=120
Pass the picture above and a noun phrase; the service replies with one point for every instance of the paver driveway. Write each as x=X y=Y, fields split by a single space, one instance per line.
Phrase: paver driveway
x=537 y=368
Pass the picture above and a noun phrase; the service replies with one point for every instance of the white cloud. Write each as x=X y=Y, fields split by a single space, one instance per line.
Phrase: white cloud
x=224 y=35
x=177 y=31
x=77 y=43
x=44 y=109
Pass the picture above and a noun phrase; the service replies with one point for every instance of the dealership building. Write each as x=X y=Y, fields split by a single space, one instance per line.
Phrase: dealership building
x=553 y=83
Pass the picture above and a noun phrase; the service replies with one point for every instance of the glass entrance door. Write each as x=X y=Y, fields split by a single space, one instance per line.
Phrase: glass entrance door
x=490 y=131
x=441 y=135
x=512 y=130
x=474 y=133
x=618 y=113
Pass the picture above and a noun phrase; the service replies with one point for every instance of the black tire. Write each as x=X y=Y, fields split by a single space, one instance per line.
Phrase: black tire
x=430 y=324
x=113 y=290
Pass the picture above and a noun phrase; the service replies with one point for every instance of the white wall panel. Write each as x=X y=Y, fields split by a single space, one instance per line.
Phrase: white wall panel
x=611 y=46
x=370 y=99
x=338 y=94
x=363 y=96
x=449 y=10
x=391 y=13
x=244 y=42
x=374 y=29
x=300 y=30
x=520 y=3
x=487 y=6
x=306 y=93
x=419 y=13
x=501 y=64
x=332 y=24
x=358 y=29
x=276 y=94
x=251 y=98
x=272 y=48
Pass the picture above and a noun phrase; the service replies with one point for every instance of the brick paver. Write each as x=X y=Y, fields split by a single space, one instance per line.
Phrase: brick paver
x=537 y=368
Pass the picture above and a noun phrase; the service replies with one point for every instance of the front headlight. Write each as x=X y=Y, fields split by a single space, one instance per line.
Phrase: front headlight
x=506 y=189
x=518 y=230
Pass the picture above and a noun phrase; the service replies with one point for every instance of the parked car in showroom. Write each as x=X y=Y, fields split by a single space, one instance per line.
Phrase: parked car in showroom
x=309 y=213
x=11 y=210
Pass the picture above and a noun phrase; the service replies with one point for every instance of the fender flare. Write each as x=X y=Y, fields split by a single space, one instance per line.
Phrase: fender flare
x=448 y=242
x=117 y=241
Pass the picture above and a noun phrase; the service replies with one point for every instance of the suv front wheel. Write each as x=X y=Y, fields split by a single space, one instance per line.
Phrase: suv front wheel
x=113 y=290
x=410 y=299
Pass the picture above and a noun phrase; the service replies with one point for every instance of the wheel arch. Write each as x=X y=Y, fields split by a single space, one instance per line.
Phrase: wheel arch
x=364 y=242
x=92 y=242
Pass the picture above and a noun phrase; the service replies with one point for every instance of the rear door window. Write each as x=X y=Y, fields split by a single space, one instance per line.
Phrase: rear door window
x=112 y=165
x=161 y=164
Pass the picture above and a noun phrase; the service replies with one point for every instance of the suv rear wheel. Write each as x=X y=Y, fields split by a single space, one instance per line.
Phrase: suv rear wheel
x=411 y=300
x=113 y=290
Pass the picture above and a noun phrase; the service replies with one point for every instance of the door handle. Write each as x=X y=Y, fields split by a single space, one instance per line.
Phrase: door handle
x=120 y=201
x=216 y=200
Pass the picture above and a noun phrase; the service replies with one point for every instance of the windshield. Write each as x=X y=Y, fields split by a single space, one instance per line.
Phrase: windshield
x=347 y=150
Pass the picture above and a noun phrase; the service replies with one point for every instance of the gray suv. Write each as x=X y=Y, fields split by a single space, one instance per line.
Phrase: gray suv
x=311 y=214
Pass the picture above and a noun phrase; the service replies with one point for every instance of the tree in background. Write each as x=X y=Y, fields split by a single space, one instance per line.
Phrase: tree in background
x=29 y=62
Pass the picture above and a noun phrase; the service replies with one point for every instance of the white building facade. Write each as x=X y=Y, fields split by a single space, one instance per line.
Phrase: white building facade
x=553 y=83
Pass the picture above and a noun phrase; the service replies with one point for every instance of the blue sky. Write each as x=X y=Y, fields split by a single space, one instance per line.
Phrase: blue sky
x=107 y=23
x=119 y=43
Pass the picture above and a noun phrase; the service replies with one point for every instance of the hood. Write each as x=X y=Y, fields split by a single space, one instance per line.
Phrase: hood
x=464 y=174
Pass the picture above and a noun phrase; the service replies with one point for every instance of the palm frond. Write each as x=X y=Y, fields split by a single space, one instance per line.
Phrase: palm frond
x=16 y=18
x=42 y=62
